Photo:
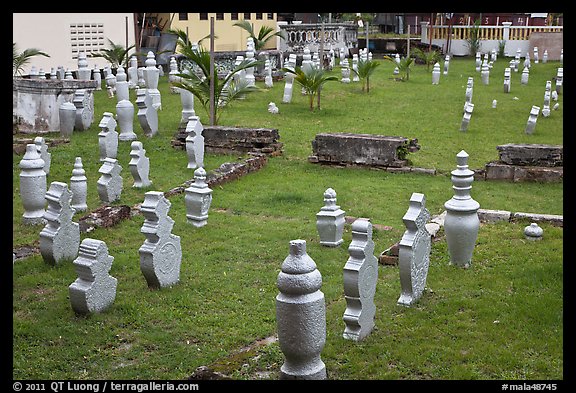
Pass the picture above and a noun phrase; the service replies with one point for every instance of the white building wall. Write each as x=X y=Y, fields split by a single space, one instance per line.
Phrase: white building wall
x=52 y=33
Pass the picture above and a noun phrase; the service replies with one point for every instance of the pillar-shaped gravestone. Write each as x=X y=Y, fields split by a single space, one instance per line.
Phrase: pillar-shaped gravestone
x=84 y=110
x=78 y=187
x=532 y=118
x=485 y=74
x=60 y=237
x=133 y=73
x=139 y=165
x=527 y=60
x=525 y=76
x=187 y=100
x=151 y=77
x=84 y=72
x=110 y=83
x=507 y=80
x=53 y=75
x=559 y=79
x=533 y=232
x=68 y=74
x=141 y=82
x=43 y=151
x=301 y=315
x=108 y=137
x=67 y=116
x=97 y=76
x=469 y=91
x=125 y=116
x=194 y=143
x=122 y=89
x=360 y=278
x=536 y=58
x=478 y=61
x=345 y=71
x=94 y=290
x=468 y=108
x=493 y=55
x=268 y=71
x=198 y=198
x=173 y=75
x=546 y=106
x=289 y=79
x=330 y=221
x=436 y=74
x=545 y=56
x=110 y=183
x=161 y=253
x=355 y=77
x=239 y=77
x=414 y=251
x=461 y=224
x=147 y=113
x=446 y=64
x=32 y=186
x=250 y=79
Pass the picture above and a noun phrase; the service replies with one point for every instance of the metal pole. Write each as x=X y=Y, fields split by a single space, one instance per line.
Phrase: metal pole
x=321 y=54
x=126 y=39
x=367 y=39
x=408 y=44
x=212 y=82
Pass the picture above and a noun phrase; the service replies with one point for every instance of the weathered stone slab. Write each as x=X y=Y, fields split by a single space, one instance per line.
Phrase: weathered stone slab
x=363 y=149
x=531 y=154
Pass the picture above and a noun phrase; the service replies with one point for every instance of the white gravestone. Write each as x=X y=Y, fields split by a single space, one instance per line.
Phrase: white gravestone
x=469 y=91
x=94 y=290
x=360 y=278
x=436 y=74
x=161 y=253
x=84 y=110
x=289 y=79
x=84 y=72
x=461 y=224
x=110 y=182
x=151 y=77
x=268 y=71
x=78 y=187
x=97 y=76
x=507 y=80
x=43 y=151
x=32 y=186
x=197 y=199
x=125 y=115
x=122 y=88
x=485 y=74
x=446 y=64
x=147 y=113
x=355 y=77
x=173 y=76
x=478 y=61
x=60 y=238
x=532 y=118
x=330 y=221
x=559 y=79
x=301 y=316
x=468 y=109
x=525 y=76
x=272 y=108
x=108 y=137
x=536 y=55
x=133 y=73
x=187 y=101
x=414 y=251
x=250 y=78
x=67 y=117
x=139 y=165
x=194 y=143
x=545 y=56
x=533 y=232
x=345 y=71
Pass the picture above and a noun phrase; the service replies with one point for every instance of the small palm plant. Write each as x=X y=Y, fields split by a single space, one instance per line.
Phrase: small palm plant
x=20 y=59
x=365 y=69
x=117 y=55
x=403 y=66
x=264 y=34
x=311 y=79
x=473 y=41
x=429 y=57
x=197 y=78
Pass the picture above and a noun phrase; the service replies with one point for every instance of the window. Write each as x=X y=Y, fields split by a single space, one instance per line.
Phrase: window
x=86 y=37
x=219 y=16
x=270 y=15
x=203 y=16
x=182 y=16
x=247 y=15
x=234 y=16
x=259 y=16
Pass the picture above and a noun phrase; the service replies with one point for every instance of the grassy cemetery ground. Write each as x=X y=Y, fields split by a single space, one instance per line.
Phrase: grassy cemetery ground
x=500 y=319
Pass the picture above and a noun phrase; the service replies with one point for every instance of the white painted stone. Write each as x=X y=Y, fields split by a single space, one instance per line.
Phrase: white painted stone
x=187 y=101
x=44 y=154
x=272 y=108
x=60 y=237
x=414 y=251
x=108 y=137
x=133 y=73
x=301 y=316
x=139 y=165
x=532 y=118
x=360 y=278
x=289 y=79
x=466 y=117
x=345 y=71
x=507 y=80
x=161 y=253
x=446 y=64
x=151 y=77
x=122 y=88
x=94 y=290
x=110 y=182
x=125 y=115
x=436 y=74
x=78 y=187
x=32 y=186
x=330 y=221
x=147 y=113
x=197 y=199
x=485 y=74
x=84 y=109
x=194 y=143
x=97 y=76
x=533 y=232
x=525 y=75
x=67 y=115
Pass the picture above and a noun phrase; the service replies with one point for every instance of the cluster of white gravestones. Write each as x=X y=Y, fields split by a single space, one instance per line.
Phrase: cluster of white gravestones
x=300 y=304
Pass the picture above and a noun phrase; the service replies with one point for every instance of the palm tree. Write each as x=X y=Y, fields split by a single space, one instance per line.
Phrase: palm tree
x=117 y=55
x=473 y=41
x=429 y=57
x=196 y=78
x=19 y=60
x=311 y=79
x=365 y=69
x=403 y=66
x=264 y=34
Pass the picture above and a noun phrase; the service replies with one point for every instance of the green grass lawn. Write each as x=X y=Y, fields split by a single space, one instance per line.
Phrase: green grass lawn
x=500 y=319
